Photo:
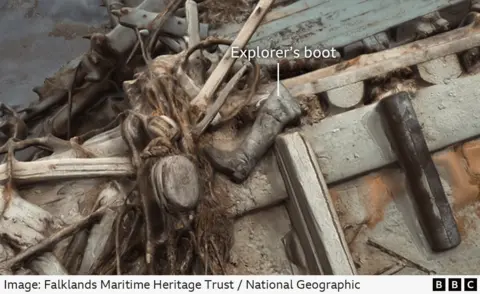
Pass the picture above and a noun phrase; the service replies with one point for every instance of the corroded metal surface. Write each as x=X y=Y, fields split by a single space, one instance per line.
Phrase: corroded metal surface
x=407 y=140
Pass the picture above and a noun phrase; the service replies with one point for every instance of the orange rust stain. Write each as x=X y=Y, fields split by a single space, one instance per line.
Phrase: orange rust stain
x=339 y=208
x=156 y=112
x=460 y=220
x=379 y=196
x=464 y=192
x=465 y=224
x=471 y=152
x=334 y=195
x=346 y=64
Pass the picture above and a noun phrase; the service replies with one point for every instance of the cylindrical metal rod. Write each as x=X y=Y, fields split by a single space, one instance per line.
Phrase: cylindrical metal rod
x=406 y=138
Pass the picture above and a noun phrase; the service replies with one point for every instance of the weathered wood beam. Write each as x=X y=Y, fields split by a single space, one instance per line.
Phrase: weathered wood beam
x=326 y=24
x=107 y=144
x=25 y=224
x=218 y=75
x=196 y=67
x=311 y=209
x=372 y=65
x=101 y=233
x=67 y=169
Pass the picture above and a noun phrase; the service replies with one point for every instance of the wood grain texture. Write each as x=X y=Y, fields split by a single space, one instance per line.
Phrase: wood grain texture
x=329 y=23
x=371 y=65
x=68 y=168
x=241 y=40
x=25 y=224
x=311 y=208
x=368 y=66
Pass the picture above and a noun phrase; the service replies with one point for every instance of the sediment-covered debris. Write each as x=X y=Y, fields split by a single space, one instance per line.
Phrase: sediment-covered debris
x=141 y=155
x=155 y=199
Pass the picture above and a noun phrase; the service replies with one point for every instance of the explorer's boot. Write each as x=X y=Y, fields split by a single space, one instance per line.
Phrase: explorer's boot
x=276 y=112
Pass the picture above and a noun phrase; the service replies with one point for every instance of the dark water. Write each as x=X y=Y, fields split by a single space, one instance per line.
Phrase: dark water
x=38 y=37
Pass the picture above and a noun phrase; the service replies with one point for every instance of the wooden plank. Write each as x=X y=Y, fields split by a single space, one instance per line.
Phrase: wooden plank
x=68 y=169
x=353 y=141
x=331 y=23
x=276 y=14
x=369 y=66
x=311 y=208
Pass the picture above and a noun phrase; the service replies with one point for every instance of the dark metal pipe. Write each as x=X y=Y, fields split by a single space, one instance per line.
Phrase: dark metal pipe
x=406 y=138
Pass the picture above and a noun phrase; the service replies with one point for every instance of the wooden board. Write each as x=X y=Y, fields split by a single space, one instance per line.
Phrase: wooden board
x=353 y=141
x=311 y=208
x=67 y=169
x=372 y=65
x=329 y=23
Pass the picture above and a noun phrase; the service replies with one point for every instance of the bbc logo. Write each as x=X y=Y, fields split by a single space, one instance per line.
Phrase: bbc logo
x=455 y=284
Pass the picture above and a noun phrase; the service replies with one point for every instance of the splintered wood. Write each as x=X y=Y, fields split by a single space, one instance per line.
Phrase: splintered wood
x=219 y=74
x=71 y=168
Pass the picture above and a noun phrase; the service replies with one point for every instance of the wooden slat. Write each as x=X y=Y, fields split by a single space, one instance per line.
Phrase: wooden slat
x=372 y=65
x=68 y=169
x=330 y=23
x=376 y=64
x=311 y=208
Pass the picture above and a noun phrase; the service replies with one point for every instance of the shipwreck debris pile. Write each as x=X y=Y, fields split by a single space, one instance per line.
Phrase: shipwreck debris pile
x=154 y=76
x=117 y=168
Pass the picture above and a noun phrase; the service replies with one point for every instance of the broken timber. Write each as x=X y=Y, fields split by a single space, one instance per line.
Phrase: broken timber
x=19 y=215
x=68 y=168
x=218 y=75
x=372 y=65
x=311 y=209
x=329 y=23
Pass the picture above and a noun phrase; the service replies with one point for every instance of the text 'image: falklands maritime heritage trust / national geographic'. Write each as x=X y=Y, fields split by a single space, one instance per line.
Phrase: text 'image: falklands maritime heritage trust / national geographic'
x=189 y=286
